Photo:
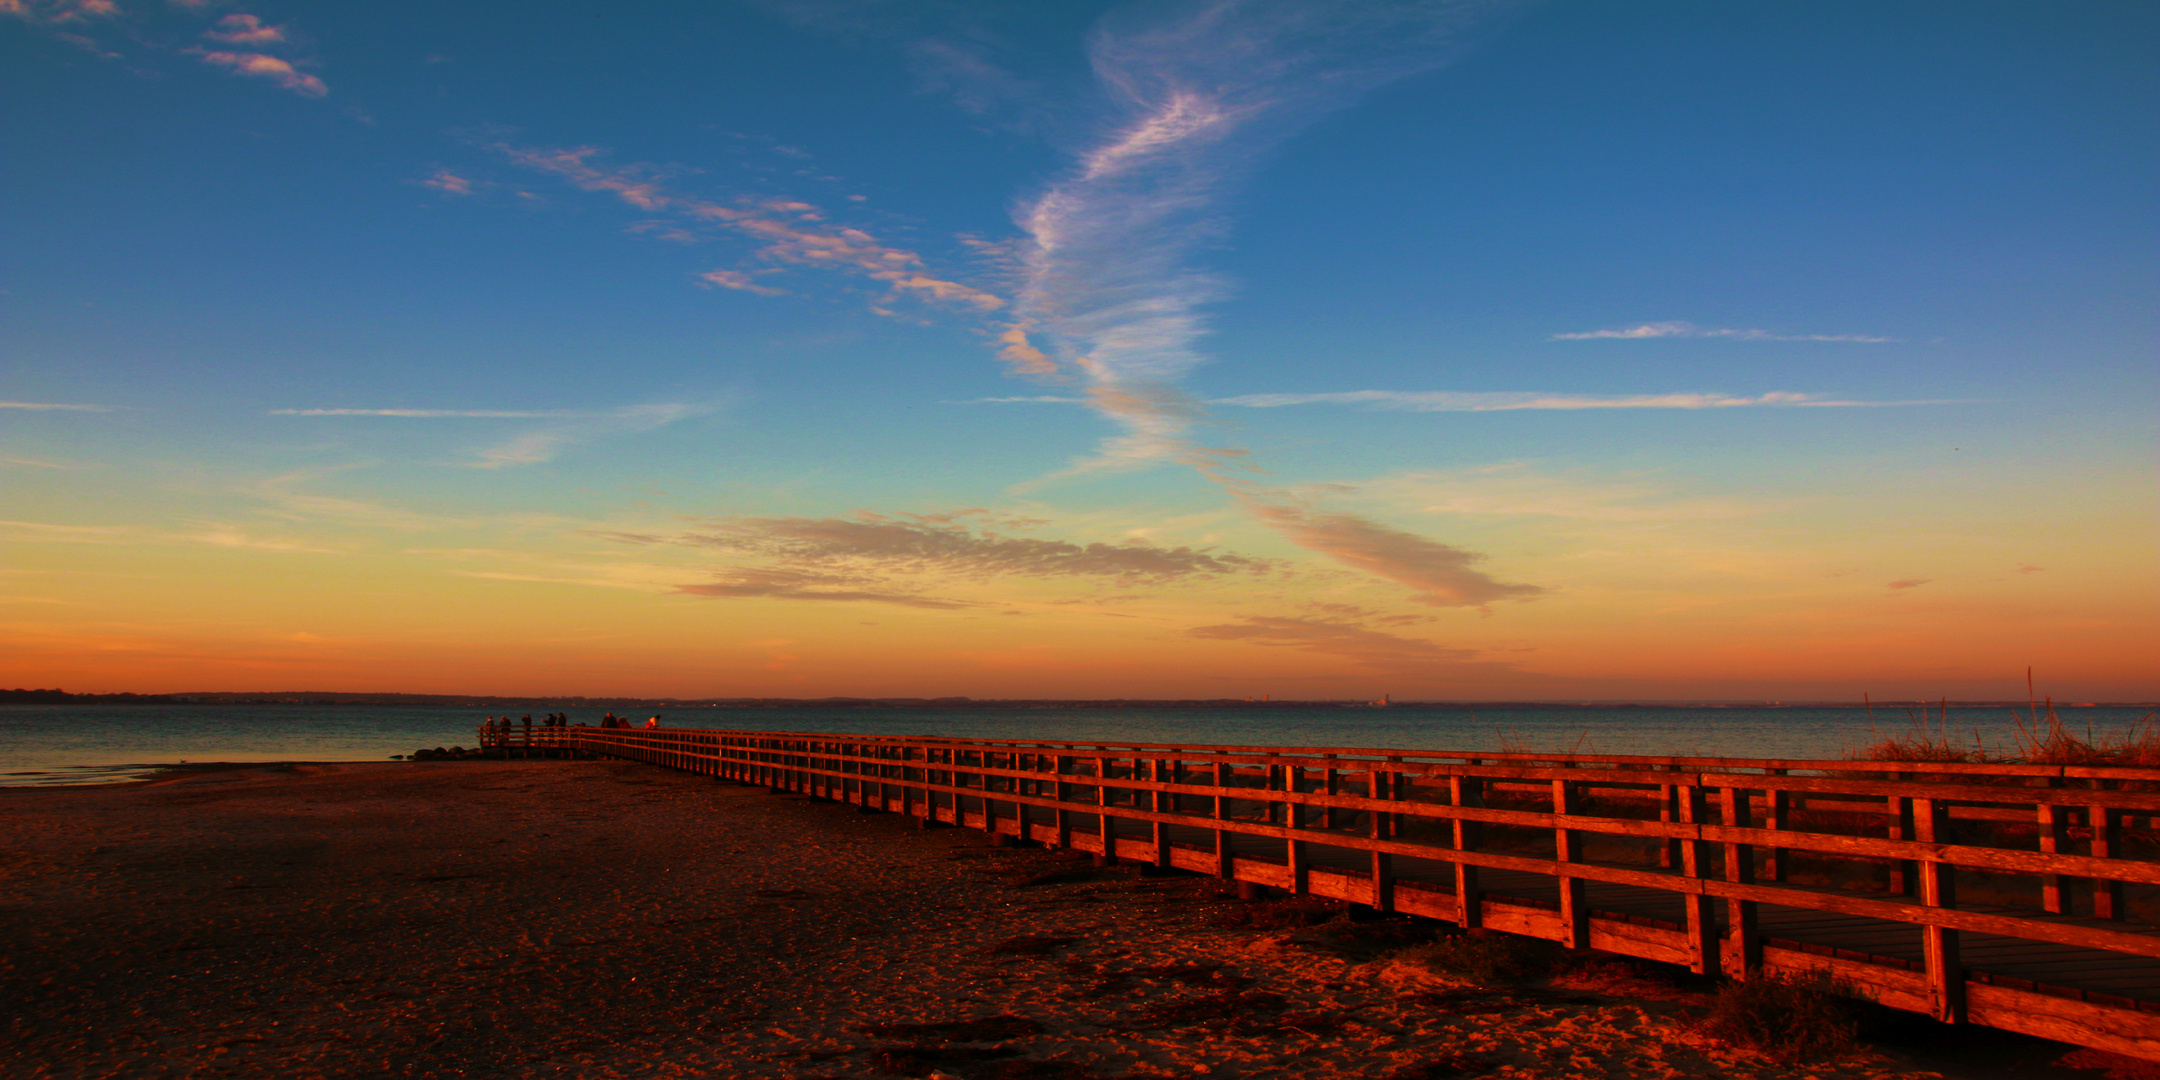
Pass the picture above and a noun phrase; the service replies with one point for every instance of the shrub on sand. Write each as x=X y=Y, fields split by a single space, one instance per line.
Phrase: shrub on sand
x=1481 y=958
x=1789 y=1016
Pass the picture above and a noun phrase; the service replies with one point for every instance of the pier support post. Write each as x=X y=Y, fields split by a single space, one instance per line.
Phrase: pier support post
x=2106 y=841
x=1574 y=891
x=1938 y=889
x=1469 y=899
x=1744 y=930
x=1699 y=911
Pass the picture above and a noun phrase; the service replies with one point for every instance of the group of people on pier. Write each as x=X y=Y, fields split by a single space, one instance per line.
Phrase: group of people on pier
x=502 y=725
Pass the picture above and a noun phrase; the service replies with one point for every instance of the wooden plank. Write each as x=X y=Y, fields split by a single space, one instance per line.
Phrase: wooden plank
x=1939 y=944
x=1744 y=933
x=1567 y=848
x=1466 y=791
x=1697 y=917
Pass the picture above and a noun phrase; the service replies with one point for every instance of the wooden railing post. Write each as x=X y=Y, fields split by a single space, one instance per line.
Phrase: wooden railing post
x=1225 y=854
x=1064 y=816
x=1567 y=848
x=1380 y=826
x=2106 y=841
x=1106 y=826
x=1161 y=803
x=1901 y=828
x=1776 y=861
x=1467 y=791
x=1699 y=917
x=1743 y=929
x=1294 y=820
x=1668 y=813
x=1331 y=787
x=1938 y=889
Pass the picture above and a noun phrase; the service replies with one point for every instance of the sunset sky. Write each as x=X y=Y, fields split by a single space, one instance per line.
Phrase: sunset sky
x=1570 y=350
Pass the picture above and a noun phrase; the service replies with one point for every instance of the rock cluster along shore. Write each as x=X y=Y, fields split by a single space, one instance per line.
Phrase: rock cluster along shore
x=455 y=753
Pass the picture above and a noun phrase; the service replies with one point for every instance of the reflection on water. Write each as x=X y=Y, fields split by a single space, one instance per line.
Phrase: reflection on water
x=75 y=744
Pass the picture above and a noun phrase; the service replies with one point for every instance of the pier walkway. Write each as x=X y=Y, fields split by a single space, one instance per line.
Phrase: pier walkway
x=2020 y=897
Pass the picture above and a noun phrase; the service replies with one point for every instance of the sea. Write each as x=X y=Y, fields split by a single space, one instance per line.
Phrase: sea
x=93 y=743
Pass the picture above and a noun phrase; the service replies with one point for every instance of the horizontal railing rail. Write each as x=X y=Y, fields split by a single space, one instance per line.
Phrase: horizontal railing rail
x=2052 y=855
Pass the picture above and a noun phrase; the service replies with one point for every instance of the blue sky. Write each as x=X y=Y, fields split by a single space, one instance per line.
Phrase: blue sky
x=1647 y=311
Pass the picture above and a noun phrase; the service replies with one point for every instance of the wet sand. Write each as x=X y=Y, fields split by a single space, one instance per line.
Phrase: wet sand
x=605 y=919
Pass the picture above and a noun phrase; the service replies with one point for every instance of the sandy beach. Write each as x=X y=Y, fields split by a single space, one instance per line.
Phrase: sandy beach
x=600 y=919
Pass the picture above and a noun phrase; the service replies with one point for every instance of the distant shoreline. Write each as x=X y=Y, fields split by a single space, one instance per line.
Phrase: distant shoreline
x=379 y=700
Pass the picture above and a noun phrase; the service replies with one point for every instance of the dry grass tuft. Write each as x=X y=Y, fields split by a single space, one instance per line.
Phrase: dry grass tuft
x=1791 y=1017
x=1487 y=959
x=1290 y=913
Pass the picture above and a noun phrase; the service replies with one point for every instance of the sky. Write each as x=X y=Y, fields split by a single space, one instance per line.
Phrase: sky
x=1444 y=350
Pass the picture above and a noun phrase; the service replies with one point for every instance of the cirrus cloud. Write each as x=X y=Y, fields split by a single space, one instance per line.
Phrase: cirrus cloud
x=1645 y=331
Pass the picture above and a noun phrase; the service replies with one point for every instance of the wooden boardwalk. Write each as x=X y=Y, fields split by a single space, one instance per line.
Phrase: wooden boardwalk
x=2017 y=897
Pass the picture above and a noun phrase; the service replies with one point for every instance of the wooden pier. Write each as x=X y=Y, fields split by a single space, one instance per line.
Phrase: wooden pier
x=2020 y=897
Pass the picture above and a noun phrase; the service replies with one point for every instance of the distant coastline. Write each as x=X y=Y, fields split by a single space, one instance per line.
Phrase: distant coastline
x=479 y=701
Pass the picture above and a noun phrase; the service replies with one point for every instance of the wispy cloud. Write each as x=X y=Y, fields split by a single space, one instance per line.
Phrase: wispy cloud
x=215 y=535
x=59 y=12
x=1509 y=401
x=243 y=29
x=536 y=447
x=767 y=583
x=265 y=66
x=1690 y=330
x=1514 y=490
x=449 y=183
x=738 y=280
x=793 y=233
x=94 y=24
x=11 y=462
x=1376 y=649
x=940 y=545
x=441 y=414
x=1506 y=400
x=46 y=406
x=543 y=444
x=1203 y=90
x=1438 y=574
x=912 y=559
x=1109 y=286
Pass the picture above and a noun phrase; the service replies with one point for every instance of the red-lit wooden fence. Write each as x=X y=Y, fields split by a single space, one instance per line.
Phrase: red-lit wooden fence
x=2014 y=896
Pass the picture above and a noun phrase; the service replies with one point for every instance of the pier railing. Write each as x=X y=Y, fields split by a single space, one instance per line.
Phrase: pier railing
x=2016 y=896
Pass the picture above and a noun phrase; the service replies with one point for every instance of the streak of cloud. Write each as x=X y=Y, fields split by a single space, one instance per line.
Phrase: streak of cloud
x=793 y=232
x=265 y=66
x=438 y=414
x=1376 y=649
x=533 y=447
x=449 y=183
x=536 y=447
x=940 y=546
x=1646 y=331
x=1204 y=91
x=1510 y=401
x=47 y=406
x=243 y=29
x=1438 y=574
x=772 y=584
x=736 y=279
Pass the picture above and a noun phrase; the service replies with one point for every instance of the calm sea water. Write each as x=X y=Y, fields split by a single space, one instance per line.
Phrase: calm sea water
x=73 y=744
